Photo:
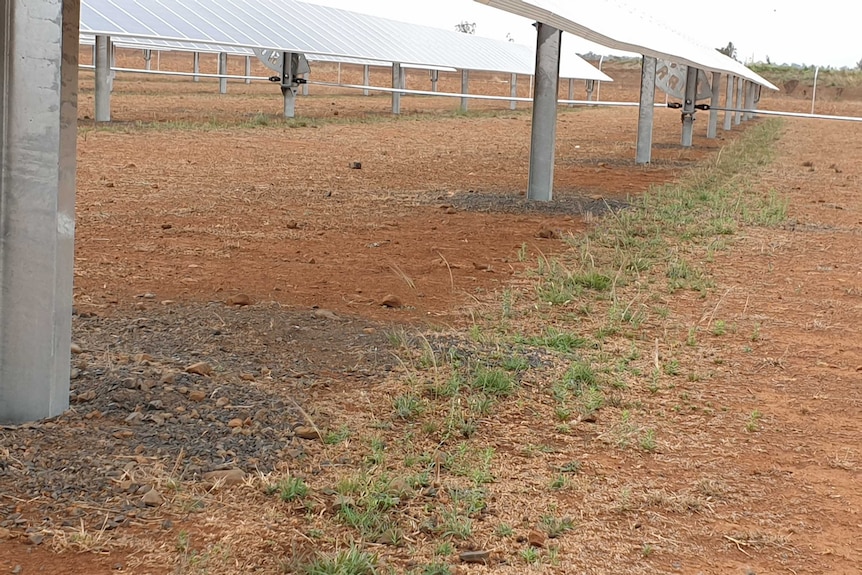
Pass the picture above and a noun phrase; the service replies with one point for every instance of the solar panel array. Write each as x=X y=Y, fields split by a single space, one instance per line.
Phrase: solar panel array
x=237 y=26
x=616 y=25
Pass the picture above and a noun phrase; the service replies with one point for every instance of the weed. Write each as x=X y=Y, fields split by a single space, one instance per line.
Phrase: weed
x=556 y=526
x=336 y=437
x=559 y=482
x=291 y=488
x=492 y=382
x=719 y=328
x=515 y=363
x=558 y=341
x=408 y=406
x=753 y=423
x=352 y=561
x=571 y=467
x=436 y=569
x=530 y=555
x=647 y=440
x=504 y=530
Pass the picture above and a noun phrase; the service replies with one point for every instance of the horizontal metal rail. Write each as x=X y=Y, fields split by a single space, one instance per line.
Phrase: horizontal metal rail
x=185 y=74
x=788 y=114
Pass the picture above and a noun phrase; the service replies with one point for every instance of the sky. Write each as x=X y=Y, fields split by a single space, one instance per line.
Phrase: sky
x=825 y=33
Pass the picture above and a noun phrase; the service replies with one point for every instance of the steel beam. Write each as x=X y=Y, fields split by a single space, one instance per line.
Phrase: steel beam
x=688 y=108
x=728 y=102
x=513 y=91
x=366 y=78
x=544 y=131
x=248 y=69
x=38 y=134
x=222 y=71
x=396 y=85
x=571 y=91
x=288 y=84
x=465 y=89
x=646 y=110
x=197 y=66
x=749 y=100
x=712 y=127
x=103 y=79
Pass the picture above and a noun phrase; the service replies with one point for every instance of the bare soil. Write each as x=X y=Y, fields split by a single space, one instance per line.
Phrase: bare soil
x=757 y=462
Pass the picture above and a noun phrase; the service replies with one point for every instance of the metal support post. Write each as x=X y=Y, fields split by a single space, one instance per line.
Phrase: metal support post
x=544 y=132
x=222 y=71
x=197 y=66
x=756 y=103
x=737 y=117
x=712 y=127
x=396 y=84
x=38 y=135
x=366 y=78
x=103 y=79
x=112 y=65
x=749 y=100
x=571 y=91
x=435 y=78
x=248 y=69
x=289 y=65
x=688 y=108
x=645 y=111
x=590 y=86
x=305 y=84
x=513 y=91
x=465 y=89
x=728 y=102
x=148 y=58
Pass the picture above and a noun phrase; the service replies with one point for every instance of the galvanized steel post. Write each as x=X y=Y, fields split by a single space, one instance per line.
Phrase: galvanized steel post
x=688 y=108
x=513 y=91
x=712 y=128
x=222 y=71
x=571 y=91
x=645 y=111
x=544 y=132
x=728 y=102
x=103 y=78
x=737 y=116
x=248 y=69
x=38 y=134
x=749 y=100
x=197 y=67
x=366 y=78
x=396 y=84
x=465 y=89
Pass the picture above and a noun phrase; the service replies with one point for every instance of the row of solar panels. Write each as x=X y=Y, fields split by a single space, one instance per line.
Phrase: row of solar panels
x=321 y=33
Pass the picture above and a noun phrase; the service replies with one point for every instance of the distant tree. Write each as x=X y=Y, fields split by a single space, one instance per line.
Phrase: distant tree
x=466 y=27
x=768 y=61
x=729 y=50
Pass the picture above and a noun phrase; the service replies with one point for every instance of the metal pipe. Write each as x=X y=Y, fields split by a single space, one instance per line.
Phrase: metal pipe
x=513 y=91
x=222 y=70
x=544 y=129
x=814 y=91
x=645 y=111
x=465 y=88
x=688 y=108
x=728 y=102
x=103 y=78
x=712 y=126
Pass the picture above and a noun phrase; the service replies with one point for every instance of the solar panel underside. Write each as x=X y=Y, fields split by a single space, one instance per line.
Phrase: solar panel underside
x=289 y=25
x=618 y=26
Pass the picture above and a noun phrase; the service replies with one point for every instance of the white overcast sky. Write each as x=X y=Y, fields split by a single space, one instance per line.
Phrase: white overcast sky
x=825 y=32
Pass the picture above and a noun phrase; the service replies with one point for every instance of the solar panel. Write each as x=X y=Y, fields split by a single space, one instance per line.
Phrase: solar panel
x=317 y=31
x=616 y=25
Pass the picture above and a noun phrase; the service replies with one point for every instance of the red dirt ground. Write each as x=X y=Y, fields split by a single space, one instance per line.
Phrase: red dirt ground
x=204 y=213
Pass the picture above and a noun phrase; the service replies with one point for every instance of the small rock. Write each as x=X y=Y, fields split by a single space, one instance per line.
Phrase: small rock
x=548 y=234
x=475 y=556
x=326 y=314
x=200 y=368
x=16 y=570
x=142 y=357
x=246 y=376
x=391 y=301
x=235 y=422
x=239 y=300
x=197 y=395
x=292 y=225
x=450 y=210
x=5 y=533
x=75 y=373
x=225 y=476
x=76 y=349
x=369 y=331
x=35 y=539
x=222 y=401
x=306 y=432
x=134 y=418
x=355 y=165
x=167 y=524
x=167 y=226
x=152 y=498
x=536 y=538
